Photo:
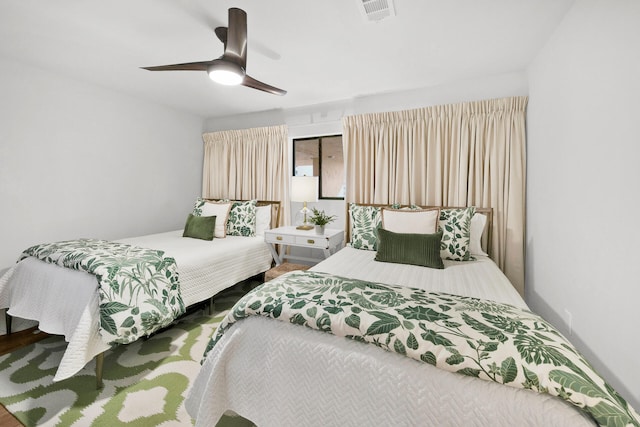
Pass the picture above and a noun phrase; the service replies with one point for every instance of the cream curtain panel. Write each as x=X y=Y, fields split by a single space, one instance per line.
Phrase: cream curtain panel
x=247 y=164
x=469 y=154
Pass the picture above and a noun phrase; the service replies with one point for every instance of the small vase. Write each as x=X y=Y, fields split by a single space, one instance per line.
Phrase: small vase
x=319 y=229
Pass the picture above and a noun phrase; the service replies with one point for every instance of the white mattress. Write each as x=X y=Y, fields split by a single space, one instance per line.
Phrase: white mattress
x=276 y=374
x=40 y=291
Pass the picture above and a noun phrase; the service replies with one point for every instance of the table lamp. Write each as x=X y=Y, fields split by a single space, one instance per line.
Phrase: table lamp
x=304 y=189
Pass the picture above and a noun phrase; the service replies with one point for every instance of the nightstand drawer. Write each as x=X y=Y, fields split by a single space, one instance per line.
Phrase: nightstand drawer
x=319 y=242
x=291 y=237
x=279 y=238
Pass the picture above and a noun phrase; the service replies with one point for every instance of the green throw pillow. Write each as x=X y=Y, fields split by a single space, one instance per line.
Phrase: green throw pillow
x=199 y=227
x=407 y=248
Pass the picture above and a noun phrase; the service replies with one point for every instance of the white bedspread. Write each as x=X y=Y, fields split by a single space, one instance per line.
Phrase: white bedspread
x=479 y=279
x=208 y=267
x=277 y=374
x=65 y=302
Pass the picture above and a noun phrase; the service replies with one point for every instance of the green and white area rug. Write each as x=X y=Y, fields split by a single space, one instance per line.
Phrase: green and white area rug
x=145 y=383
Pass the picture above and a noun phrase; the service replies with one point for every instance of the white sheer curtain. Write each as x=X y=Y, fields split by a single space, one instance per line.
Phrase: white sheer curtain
x=468 y=154
x=248 y=164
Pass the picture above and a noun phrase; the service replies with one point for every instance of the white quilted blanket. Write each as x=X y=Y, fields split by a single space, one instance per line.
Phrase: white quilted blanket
x=278 y=375
x=40 y=291
x=478 y=279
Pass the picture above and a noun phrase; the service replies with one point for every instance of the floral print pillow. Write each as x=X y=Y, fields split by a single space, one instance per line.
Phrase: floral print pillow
x=197 y=207
x=365 y=221
x=456 y=233
x=242 y=219
x=399 y=206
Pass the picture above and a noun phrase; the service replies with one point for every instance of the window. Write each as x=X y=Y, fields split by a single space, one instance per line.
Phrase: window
x=321 y=157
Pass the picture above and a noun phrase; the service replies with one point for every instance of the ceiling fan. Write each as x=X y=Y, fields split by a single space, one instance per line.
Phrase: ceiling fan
x=230 y=68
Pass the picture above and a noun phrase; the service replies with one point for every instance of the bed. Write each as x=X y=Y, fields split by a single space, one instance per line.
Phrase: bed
x=274 y=373
x=66 y=302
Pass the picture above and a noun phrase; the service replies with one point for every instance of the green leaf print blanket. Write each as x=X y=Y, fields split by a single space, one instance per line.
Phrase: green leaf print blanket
x=480 y=338
x=139 y=288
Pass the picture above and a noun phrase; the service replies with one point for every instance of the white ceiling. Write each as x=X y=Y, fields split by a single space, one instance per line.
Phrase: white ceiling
x=319 y=51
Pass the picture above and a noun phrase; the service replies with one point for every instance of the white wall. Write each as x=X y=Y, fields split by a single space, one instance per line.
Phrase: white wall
x=78 y=160
x=583 y=191
x=326 y=119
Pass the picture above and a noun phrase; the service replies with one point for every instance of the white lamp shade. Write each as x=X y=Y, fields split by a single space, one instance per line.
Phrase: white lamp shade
x=304 y=189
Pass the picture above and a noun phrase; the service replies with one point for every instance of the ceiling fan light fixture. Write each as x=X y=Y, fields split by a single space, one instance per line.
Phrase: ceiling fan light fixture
x=226 y=73
x=230 y=68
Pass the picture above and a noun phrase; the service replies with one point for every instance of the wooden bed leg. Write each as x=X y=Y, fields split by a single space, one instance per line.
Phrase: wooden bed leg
x=99 y=366
x=7 y=320
x=210 y=306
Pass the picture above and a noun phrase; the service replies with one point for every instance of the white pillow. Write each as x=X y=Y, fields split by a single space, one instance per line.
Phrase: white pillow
x=221 y=212
x=263 y=219
x=478 y=222
x=416 y=221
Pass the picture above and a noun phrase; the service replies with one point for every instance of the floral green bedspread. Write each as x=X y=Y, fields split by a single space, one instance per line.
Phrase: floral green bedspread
x=480 y=338
x=139 y=288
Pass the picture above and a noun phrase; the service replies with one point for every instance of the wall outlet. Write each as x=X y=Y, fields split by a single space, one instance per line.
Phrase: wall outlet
x=568 y=318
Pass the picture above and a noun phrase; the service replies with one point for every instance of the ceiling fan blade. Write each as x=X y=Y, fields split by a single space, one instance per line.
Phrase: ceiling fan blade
x=189 y=66
x=256 y=84
x=236 y=46
x=221 y=33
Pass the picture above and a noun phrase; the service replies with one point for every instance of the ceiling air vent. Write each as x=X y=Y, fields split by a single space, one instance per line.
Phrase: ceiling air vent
x=376 y=10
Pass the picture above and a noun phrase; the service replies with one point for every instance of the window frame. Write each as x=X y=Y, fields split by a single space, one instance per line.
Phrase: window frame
x=319 y=138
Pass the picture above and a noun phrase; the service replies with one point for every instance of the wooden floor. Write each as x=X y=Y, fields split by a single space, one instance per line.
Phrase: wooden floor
x=19 y=339
x=9 y=343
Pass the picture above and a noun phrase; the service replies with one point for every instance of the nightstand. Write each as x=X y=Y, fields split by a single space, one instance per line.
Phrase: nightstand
x=329 y=242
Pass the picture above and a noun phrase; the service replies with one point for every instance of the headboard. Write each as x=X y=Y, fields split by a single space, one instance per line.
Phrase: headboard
x=275 y=209
x=486 y=234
